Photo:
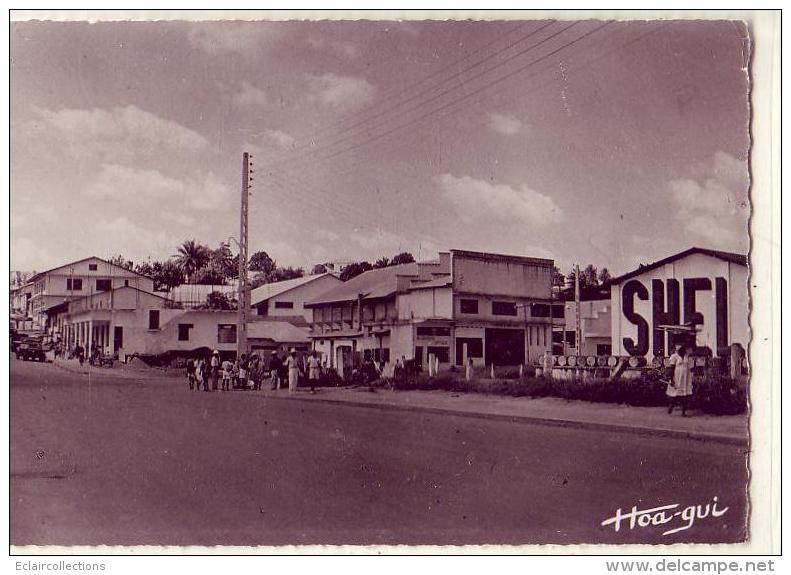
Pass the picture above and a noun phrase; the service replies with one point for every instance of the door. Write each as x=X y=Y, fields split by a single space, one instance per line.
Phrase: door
x=419 y=356
x=118 y=338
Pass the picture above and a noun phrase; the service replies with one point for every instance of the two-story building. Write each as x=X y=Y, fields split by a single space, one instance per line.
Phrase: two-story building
x=285 y=300
x=87 y=277
x=491 y=308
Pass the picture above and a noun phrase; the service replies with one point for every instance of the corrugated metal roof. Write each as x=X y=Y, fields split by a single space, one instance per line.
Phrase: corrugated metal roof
x=279 y=331
x=266 y=291
x=371 y=284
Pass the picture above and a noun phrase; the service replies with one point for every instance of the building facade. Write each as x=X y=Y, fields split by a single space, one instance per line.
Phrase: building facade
x=490 y=308
x=698 y=297
x=286 y=299
x=84 y=278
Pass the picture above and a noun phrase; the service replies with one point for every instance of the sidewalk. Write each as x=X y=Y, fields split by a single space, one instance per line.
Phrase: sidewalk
x=546 y=411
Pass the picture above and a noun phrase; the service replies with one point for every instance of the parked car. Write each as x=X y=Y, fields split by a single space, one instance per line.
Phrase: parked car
x=30 y=350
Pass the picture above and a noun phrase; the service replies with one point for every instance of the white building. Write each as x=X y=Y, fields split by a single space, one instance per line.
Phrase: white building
x=703 y=291
x=286 y=299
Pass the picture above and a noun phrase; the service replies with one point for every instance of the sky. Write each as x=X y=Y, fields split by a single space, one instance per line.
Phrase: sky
x=611 y=143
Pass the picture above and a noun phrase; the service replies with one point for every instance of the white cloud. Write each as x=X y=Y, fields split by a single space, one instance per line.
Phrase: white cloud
x=713 y=205
x=137 y=185
x=280 y=138
x=340 y=91
x=505 y=124
x=251 y=96
x=139 y=242
x=232 y=37
x=92 y=130
x=477 y=199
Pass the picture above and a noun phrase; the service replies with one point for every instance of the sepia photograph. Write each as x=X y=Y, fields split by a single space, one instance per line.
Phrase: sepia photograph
x=281 y=280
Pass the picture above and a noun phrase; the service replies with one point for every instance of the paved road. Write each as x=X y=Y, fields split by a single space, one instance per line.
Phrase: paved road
x=137 y=462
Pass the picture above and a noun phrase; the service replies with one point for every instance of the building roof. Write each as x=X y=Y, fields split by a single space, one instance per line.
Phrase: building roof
x=278 y=331
x=49 y=271
x=374 y=283
x=490 y=257
x=731 y=257
x=120 y=288
x=443 y=281
x=270 y=290
x=197 y=293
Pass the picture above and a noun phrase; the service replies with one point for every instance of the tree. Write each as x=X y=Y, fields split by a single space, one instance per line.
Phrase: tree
x=191 y=257
x=218 y=300
x=318 y=269
x=558 y=279
x=402 y=258
x=120 y=261
x=289 y=273
x=261 y=262
x=604 y=276
x=209 y=276
x=145 y=269
x=381 y=263
x=355 y=269
x=166 y=275
x=589 y=276
x=221 y=264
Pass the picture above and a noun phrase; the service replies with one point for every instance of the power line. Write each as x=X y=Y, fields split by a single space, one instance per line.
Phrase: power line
x=439 y=85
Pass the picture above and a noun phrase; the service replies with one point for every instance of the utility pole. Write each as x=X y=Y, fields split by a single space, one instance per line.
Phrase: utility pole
x=244 y=289
x=577 y=309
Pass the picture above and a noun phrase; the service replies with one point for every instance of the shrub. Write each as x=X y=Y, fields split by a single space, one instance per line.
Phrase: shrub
x=719 y=395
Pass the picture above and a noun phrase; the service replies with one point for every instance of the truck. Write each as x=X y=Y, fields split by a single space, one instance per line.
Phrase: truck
x=30 y=349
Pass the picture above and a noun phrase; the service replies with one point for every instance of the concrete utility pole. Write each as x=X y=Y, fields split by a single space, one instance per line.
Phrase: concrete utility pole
x=244 y=288
x=577 y=310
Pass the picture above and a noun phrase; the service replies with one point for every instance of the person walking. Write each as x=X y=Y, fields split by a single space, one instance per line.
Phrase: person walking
x=679 y=390
x=191 y=372
x=275 y=367
x=199 y=368
x=215 y=369
x=292 y=364
x=227 y=374
x=314 y=370
x=255 y=372
x=244 y=366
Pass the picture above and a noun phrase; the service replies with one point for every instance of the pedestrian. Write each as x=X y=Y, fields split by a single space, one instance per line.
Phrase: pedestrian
x=255 y=372
x=191 y=372
x=215 y=369
x=243 y=371
x=275 y=367
x=292 y=364
x=80 y=354
x=679 y=390
x=314 y=369
x=198 y=373
x=227 y=374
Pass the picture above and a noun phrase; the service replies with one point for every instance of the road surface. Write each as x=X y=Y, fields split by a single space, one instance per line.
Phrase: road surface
x=118 y=461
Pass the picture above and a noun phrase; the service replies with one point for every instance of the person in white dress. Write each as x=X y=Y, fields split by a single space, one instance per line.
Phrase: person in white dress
x=314 y=370
x=679 y=390
x=292 y=365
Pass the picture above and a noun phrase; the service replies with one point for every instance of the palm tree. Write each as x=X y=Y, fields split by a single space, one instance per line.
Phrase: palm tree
x=191 y=257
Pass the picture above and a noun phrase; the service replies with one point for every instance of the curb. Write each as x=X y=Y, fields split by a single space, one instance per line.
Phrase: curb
x=536 y=420
x=523 y=419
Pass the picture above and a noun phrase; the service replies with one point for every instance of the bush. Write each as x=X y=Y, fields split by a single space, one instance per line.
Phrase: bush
x=720 y=396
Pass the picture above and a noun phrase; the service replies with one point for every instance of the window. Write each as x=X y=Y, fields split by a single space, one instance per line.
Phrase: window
x=540 y=310
x=184 y=331
x=93 y=267
x=468 y=305
x=441 y=353
x=153 y=319
x=74 y=284
x=571 y=338
x=226 y=333
x=103 y=285
x=603 y=349
x=126 y=283
x=558 y=311
x=503 y=308
x=284 y=305
x=431 y=331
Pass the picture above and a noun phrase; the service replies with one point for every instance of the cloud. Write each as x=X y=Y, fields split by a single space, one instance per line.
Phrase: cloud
x=134 y=185
x=249 y=95
x=139 y=242
x=340 y=91
x=713 y=205
x=279 y=138
x=130 y=125
x=477 y=200
x=505 y=124
x=233 y=37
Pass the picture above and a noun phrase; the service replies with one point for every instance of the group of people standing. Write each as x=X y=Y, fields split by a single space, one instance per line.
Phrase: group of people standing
x=209 y=373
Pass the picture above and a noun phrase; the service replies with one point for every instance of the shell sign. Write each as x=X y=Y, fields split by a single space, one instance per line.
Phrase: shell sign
x=698 y=297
